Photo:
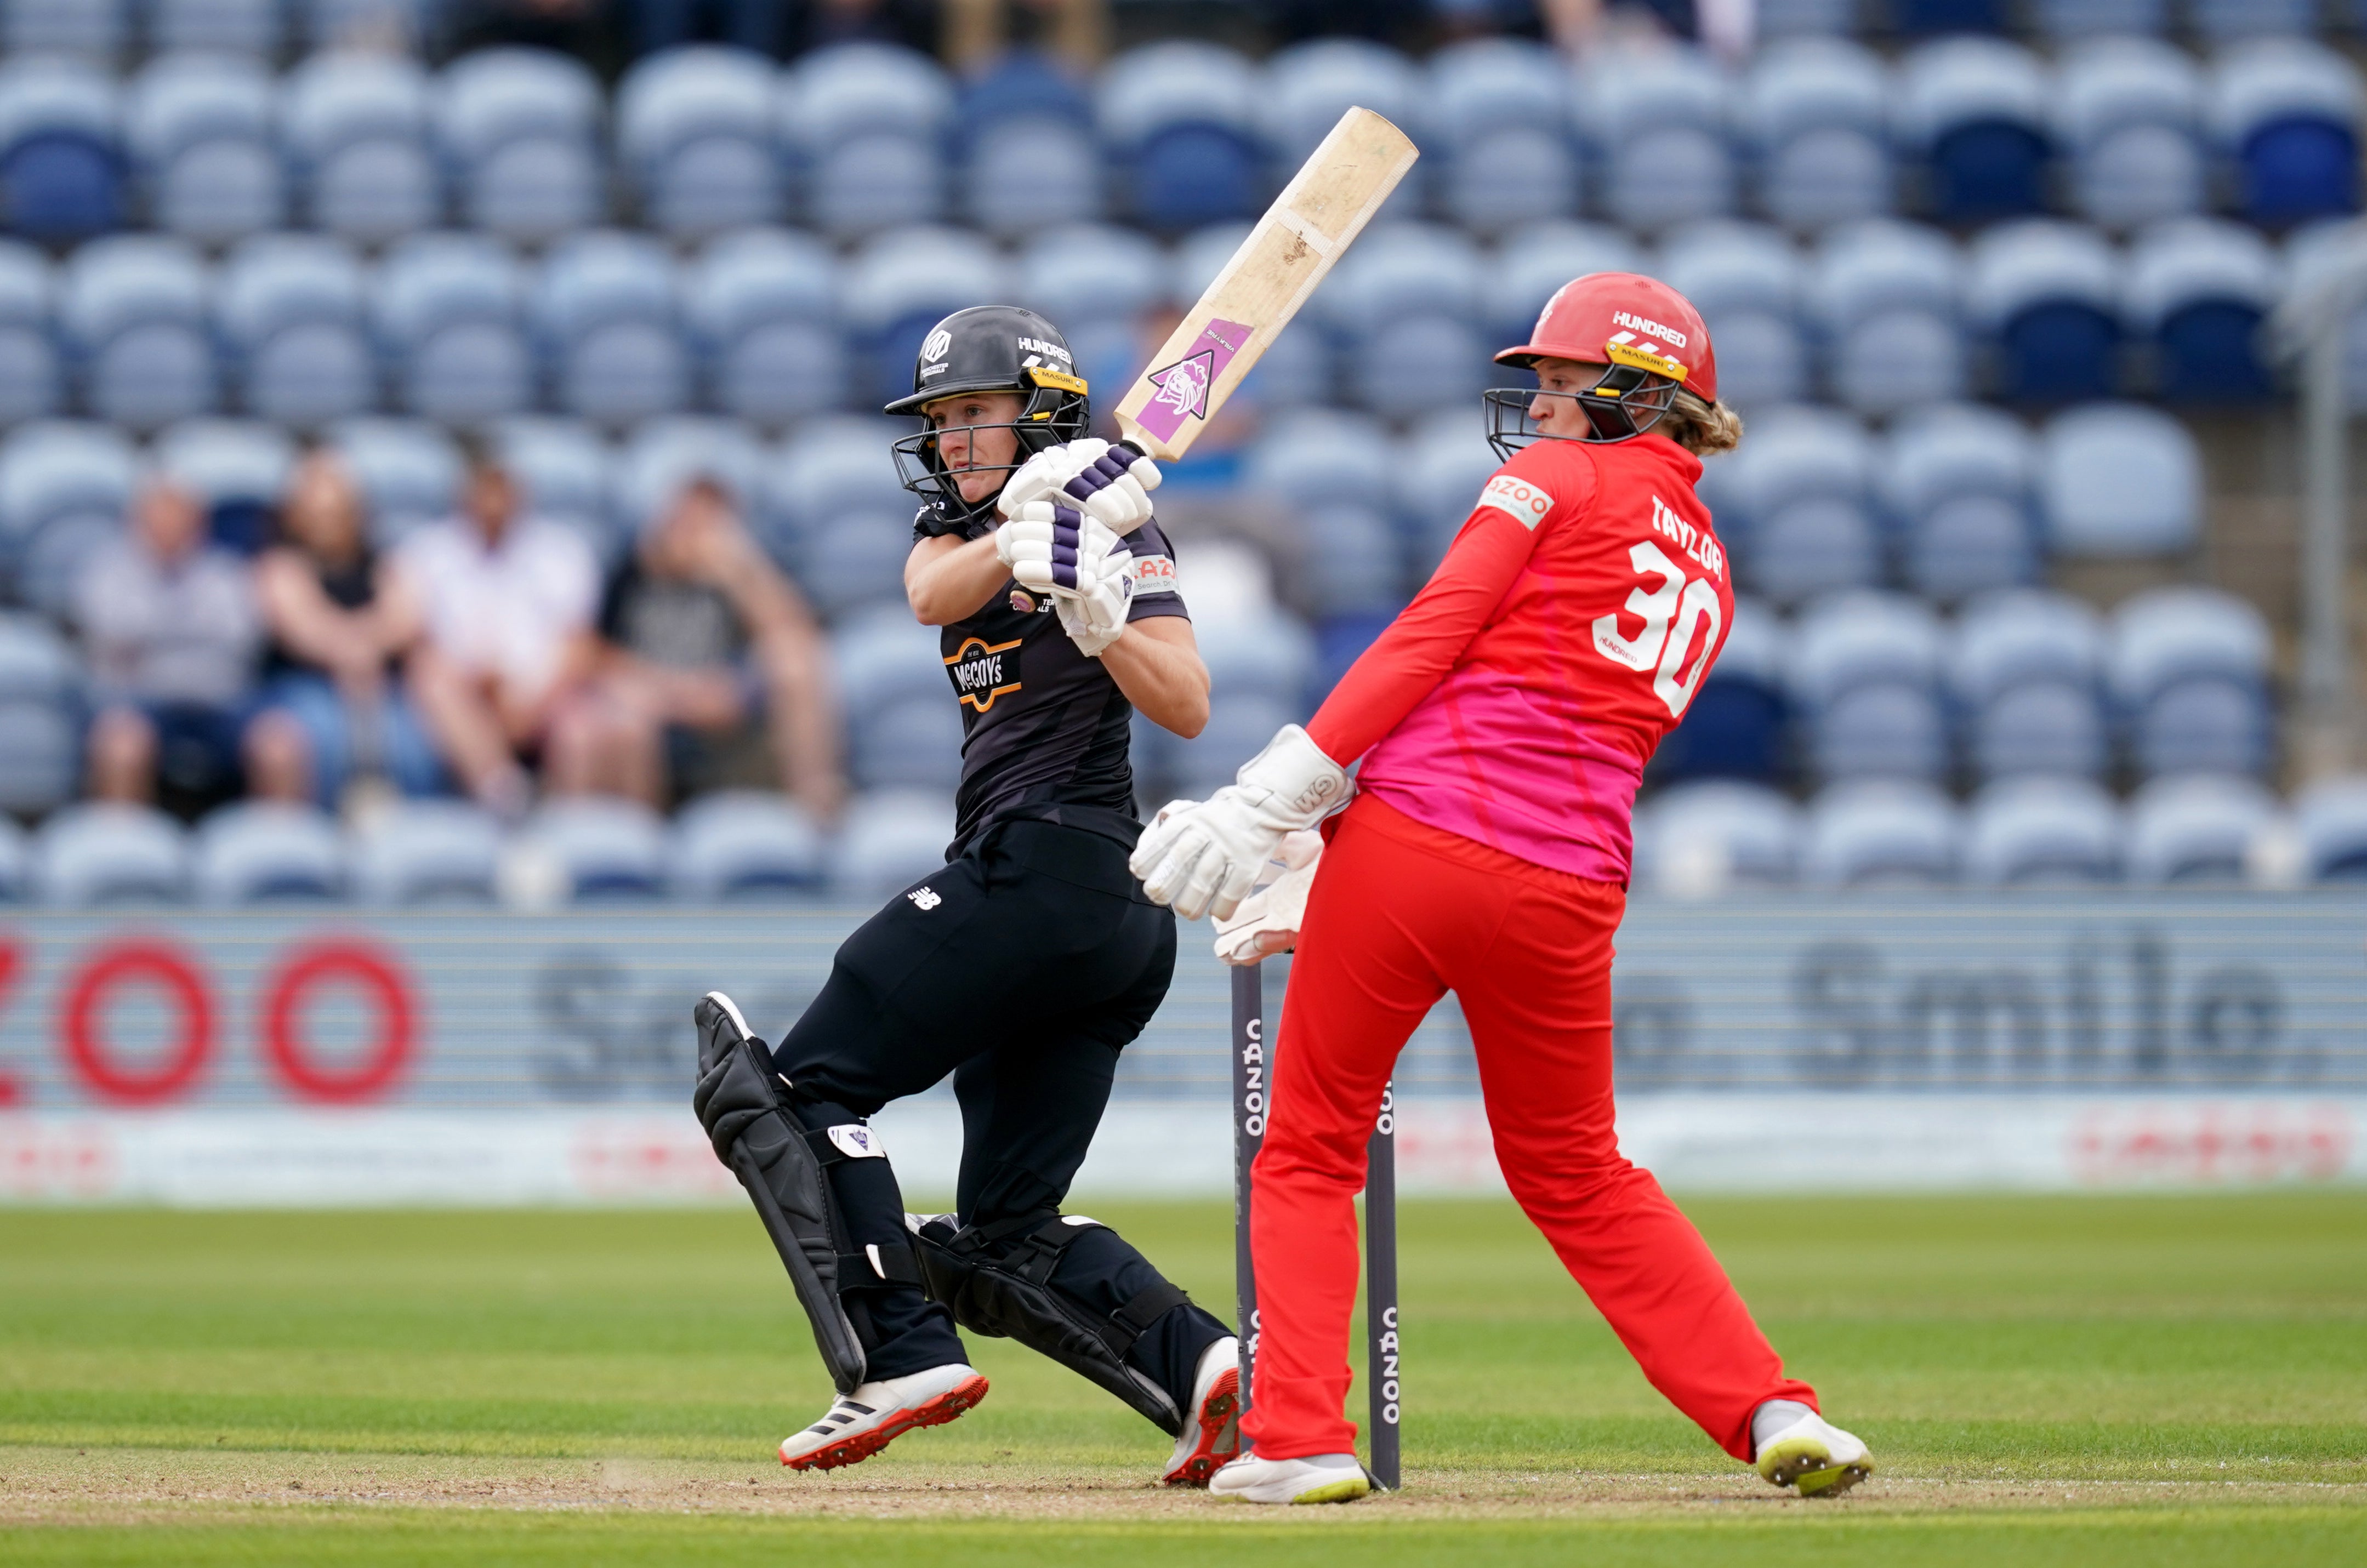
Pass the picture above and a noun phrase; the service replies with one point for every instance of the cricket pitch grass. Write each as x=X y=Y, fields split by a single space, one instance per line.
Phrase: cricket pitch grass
x=2091 y=1381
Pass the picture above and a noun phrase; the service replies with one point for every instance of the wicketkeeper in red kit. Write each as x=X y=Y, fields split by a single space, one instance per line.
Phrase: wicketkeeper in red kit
x=1503 y=722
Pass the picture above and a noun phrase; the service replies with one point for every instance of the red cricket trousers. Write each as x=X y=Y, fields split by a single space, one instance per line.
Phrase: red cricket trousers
x=1400 y=914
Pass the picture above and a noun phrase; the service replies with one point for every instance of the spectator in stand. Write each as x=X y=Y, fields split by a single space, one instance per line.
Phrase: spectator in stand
x=705 y=643
x=505 y=599
x=340 y=622
x=585 y=28
x=170 y=628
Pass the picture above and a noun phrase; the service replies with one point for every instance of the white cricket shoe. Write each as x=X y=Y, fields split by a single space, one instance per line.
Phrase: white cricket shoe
x=876 y=1413
x=1323 y=1478
x=1211 y=1429
x=1818 y=1458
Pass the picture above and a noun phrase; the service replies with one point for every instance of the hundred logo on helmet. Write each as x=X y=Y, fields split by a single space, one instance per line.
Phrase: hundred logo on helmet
x=989 y=349
x=1648 y=339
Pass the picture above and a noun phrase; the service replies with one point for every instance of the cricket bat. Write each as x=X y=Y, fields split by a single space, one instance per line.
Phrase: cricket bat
x=1318 y=213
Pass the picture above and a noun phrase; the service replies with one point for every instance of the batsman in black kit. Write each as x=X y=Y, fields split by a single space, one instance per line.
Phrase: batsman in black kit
x=1022 y=967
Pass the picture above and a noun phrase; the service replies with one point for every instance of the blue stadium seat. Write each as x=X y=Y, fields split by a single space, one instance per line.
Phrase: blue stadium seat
x=2220 y=21
x=1181 y=120
x=1958 y=481
x=665 y=455
x=1533 y=261
x=2197 y=292
x=2332 y=819
x=567 y=472
x=1866 y=673
x=1404 y=307
x=1737 y=726
x=1265 y=654
x=201 y=137
x=1239 y=723
x=2027 y=831
x=1507 y=151
x=1099 y=283
x=1299 y=366
x=763 y=307
x=93 y=29
x=867 y=122
x=2047 y=296
x=1445 y=462
x=1700 y=839
x=135 y=313
x=897 y=287
x=1317 y=463
x=233 y=462
x=1654 y=118
x=356 y=126
x=2128 y=113
x=40 y=692
x=61 y=156
x=834 y=514
x=1801 y=488
x=1815 y=112
x=268 y=851
x=2287 y=112
x=2315 y=252
x=1974 y=111
x=607 y=309
x=1887 y=299
x=2062 y=20
x=408 y=470
x=32 y=383
x=1880 y=833
x=889 y=840
x=602 y=850
x=428 y=852
x=1310 y=85
x=520 y=128
x=64 y=487
x=1745 y=278
x=745 y=844
x=904 y=725
x=252 y=28
x=449 y=315
x=2027 y=670
x=1031 y=156
x=2190 y=669
x=696 y=137
x=2198 y=829
x=101 y=853
x=2118 y=479
x=291 y=309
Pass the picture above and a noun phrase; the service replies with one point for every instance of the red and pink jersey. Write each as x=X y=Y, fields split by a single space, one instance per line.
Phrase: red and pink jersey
x=1517 y=699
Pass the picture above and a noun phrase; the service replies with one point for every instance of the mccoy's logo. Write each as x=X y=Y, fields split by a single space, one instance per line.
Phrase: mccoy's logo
x=977 y=669
x=1519 y=497
x=938 y=342
x=1649 y=327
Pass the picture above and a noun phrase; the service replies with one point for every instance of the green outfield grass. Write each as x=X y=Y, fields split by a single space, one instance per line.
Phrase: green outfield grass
x=2088 y=1381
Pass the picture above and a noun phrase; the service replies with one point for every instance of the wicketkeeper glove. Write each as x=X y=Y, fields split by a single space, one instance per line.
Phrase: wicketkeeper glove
x=1109 y=484
x=1269 y=919
x=1204 y=857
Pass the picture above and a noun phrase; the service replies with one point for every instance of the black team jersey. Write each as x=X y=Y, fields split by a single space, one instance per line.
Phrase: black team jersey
x=1044 y=731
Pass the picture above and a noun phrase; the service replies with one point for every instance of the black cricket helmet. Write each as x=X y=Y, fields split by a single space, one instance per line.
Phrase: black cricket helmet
x=991 y=348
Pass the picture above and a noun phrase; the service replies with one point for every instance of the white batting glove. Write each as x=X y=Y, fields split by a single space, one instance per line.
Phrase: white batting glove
x=1044 y=543
x=1268 y=920
x=1109 y=484
x=1205 y=858
x=1094 y=613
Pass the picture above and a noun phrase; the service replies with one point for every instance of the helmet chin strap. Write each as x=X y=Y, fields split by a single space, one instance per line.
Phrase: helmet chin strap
x=1608 y=407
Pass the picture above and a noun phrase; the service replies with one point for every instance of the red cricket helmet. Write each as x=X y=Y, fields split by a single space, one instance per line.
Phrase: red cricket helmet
x=1623 y=318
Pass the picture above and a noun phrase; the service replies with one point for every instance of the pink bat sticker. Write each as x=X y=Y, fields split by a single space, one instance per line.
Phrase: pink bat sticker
x=1183 y=386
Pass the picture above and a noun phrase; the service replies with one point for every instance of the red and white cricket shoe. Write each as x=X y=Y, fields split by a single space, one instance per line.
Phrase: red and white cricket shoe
x=1212 y=1430
x=876 y=1413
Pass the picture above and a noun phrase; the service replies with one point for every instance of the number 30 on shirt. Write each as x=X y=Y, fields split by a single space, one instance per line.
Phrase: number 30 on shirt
x=1681 y=627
